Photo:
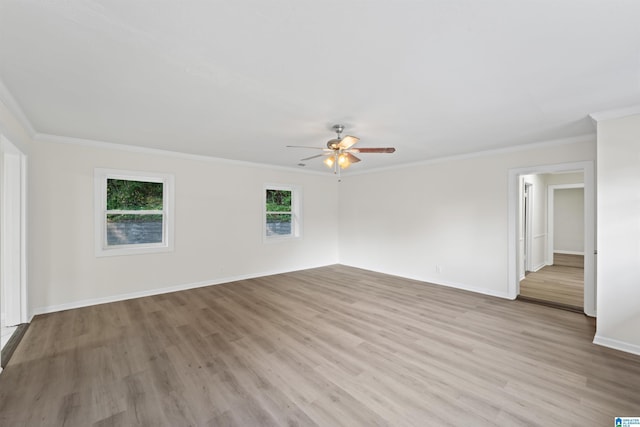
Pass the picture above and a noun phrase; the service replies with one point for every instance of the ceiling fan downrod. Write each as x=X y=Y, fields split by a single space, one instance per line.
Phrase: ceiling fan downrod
x=338 y=129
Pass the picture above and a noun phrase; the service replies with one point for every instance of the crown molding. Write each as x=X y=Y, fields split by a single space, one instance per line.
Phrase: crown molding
x=14 y=108
x=616 y=113
x=57 y=139
x=591 y=137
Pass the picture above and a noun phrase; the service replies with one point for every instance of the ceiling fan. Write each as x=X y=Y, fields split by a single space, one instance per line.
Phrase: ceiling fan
x=340 y=151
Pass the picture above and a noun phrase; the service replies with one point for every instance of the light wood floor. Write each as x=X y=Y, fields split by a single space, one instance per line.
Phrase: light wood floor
x=333 y=346
x=562 y=282
x=568 y=260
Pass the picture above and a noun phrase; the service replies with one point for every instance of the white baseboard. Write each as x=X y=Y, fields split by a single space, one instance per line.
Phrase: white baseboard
x=461 y=286
x=158 y=291
x=539 y=267
x=616 y=344
x=568 y=252
x=471 y=288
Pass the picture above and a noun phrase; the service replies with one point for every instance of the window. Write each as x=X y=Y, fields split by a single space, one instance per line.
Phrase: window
x=282 y=212
x=133 y=212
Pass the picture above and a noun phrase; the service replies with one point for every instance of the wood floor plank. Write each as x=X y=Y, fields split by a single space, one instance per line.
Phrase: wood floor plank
x=333 y=346
x=568 y=260
x=558 y=283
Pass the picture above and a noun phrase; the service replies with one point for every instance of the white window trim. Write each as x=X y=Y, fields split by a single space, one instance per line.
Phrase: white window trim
x=296 y=212
x=100 y=203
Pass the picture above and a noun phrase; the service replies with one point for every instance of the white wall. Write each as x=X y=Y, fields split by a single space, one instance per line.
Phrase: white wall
x=564 y=178
x=568 y=220
x=619 y=233
x=218 y=226
x=452 y=214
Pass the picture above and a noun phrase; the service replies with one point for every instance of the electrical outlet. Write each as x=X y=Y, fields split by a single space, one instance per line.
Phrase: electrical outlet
x=438 y=268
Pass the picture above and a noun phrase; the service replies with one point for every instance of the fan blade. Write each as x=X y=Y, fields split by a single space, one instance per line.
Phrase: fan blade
x=313 y=157
x=304 y=146
x=347 y=142
x=374 y=150
x=352 y=158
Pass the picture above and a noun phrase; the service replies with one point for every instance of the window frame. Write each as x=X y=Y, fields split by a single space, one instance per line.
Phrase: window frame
x=102 y=248
x=296 y=212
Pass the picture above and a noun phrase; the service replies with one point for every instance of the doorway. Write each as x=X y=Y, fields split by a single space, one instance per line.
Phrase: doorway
x=544 y=257
x=13 y=295
x=559 y=281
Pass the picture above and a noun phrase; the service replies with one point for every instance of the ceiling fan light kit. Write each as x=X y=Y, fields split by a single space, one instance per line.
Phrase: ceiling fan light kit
x=329 y=161
x=339 y=151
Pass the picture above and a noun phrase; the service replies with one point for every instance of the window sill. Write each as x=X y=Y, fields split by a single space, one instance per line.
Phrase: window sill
x=132 y=250
x=276 y=239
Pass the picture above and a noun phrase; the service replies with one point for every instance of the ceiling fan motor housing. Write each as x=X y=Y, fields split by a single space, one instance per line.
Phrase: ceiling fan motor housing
x=333 y=144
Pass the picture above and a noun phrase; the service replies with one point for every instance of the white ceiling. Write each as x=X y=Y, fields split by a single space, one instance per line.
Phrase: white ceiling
x=243 y=79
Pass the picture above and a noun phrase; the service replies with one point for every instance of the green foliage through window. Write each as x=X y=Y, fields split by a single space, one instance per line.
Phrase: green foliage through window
x=123 y=194
x=278 y=201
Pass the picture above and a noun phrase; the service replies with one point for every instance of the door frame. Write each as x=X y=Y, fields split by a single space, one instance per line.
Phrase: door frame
x=527 y=209
x=13 y=247
x=588 y=169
